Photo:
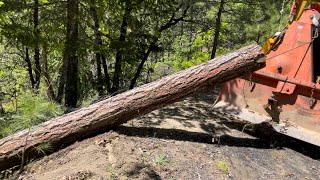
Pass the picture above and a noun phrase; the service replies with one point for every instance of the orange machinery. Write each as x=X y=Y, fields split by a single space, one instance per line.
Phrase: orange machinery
x=286 y=93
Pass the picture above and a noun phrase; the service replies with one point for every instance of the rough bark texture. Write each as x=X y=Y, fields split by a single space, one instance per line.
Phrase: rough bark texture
x=123 y=107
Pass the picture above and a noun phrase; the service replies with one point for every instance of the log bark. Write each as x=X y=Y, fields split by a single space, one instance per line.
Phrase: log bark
x=131 y=104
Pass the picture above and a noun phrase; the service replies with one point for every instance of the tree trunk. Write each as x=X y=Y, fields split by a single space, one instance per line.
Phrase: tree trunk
x=98 y=43
x=139 y=70
x=36 y=32
x=148 y=78
x=189 y=55
x=71 y=48
x=62 y=80
x=99 y=75
x=106 y=73
x=2 y=112
x=172 y=22
x=119 y=53
x=131 y=104
x=29 y=68
x=217 y=30
x=50 y=91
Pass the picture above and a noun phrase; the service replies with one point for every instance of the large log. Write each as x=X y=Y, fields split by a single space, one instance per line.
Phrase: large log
x=123 y=107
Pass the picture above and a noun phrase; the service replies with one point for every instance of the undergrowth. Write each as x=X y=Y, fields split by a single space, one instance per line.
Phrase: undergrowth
x=161 y=160
x=222 y=166
x=32 y=110
x=44 y=148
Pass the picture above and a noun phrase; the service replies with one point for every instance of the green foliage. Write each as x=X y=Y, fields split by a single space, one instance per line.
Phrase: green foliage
x=89 y=99
x=161 y=160
x=222 y=166
x=37 y=109
x=112 y=174
x=44 y=148
x=31 y=111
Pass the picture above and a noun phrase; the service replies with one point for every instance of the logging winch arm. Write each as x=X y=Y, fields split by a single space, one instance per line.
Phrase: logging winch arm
x=297 y=10
x=285 y=94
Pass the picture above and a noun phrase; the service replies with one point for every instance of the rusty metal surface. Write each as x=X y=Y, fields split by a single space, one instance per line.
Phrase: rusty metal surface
x=304 y=86
x=284 y=93
x=286 y=128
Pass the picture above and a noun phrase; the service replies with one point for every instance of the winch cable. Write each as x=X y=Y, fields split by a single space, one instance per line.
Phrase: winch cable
x=290 y=50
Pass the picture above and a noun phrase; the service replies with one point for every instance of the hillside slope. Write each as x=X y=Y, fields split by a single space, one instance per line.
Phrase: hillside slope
x=176 y=142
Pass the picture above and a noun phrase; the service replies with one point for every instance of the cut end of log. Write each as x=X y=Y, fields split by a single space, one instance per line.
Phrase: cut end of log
x=262 y=59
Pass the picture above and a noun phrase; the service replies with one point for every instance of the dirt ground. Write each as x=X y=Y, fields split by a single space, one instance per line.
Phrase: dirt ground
x=184 y=141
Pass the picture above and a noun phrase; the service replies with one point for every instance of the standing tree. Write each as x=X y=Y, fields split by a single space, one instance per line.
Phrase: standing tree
x=36 y=34
x=70 y=54
x=217 y=30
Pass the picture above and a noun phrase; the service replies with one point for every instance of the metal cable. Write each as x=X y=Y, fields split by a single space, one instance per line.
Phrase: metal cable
x=289 y=50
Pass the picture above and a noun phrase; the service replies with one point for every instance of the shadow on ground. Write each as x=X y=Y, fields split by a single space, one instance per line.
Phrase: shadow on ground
x=144 y=170
x=197 y=110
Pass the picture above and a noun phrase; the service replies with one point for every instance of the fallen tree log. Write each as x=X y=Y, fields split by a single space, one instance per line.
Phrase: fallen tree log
x=123 y=107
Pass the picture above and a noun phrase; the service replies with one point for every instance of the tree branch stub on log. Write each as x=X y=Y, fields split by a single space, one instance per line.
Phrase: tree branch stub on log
x=131 y=104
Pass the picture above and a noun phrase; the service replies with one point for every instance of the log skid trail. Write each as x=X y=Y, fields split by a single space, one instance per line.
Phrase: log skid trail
x=131 y=104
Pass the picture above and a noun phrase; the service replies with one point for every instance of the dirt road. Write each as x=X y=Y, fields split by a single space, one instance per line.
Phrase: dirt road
x=184 y=141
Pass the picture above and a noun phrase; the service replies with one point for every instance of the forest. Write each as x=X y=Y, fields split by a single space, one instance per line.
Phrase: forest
x=59 y=55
